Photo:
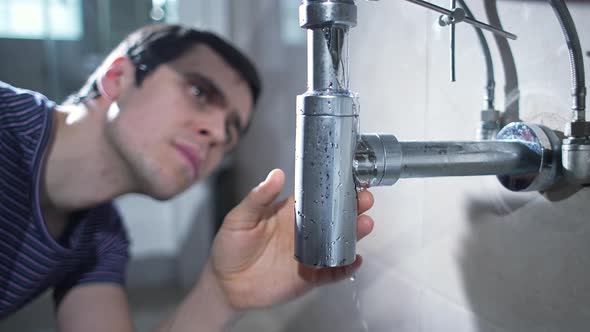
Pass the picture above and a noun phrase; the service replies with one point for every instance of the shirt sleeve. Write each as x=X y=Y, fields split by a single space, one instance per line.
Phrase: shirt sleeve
x=105 y=259
x=20 y=108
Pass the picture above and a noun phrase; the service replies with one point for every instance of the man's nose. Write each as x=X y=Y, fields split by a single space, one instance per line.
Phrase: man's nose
x=211 y=126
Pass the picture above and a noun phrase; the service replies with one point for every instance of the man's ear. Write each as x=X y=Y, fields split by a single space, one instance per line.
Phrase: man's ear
x=114 y=79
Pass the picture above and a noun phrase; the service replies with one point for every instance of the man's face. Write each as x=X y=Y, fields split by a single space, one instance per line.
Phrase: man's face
x=175 y=128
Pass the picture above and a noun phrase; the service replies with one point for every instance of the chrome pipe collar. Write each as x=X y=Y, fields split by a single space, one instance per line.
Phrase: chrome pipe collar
x=544 y=143
x=318 y=13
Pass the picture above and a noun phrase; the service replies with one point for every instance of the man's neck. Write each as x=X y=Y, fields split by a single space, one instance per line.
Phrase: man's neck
x=80 y=169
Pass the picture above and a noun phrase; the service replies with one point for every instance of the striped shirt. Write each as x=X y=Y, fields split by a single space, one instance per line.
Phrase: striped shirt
x=94 y=246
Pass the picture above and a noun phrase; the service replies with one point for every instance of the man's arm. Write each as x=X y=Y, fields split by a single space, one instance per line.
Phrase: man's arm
x=251 y=266
x=204 y=309
x=94 y=307
x=104 y=307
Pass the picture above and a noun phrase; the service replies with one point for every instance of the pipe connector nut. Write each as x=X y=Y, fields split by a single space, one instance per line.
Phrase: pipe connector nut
x=318 y=13
x=576 y=160
x=541 y=141
x=490 y=115
x=489 y=125
x=577 y=129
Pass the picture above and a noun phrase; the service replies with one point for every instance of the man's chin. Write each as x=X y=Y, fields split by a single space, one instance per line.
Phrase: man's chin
x=161 y=196
x=168 y=187
x=164 y=193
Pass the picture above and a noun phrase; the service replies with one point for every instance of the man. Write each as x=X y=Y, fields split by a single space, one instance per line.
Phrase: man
x=158 y=115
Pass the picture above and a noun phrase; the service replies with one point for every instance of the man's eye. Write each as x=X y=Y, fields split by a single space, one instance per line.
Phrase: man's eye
x=198 y=92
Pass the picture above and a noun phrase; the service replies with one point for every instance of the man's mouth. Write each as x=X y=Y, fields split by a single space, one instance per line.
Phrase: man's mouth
x=191 y=156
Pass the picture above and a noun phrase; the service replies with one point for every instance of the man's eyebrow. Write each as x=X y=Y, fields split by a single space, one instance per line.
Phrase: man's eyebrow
x=209 y=85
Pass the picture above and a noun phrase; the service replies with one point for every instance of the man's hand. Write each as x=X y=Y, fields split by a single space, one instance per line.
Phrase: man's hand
x=252 y=255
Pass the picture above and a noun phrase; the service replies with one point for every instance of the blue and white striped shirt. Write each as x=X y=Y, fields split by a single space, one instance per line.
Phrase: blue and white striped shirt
x=94 y=247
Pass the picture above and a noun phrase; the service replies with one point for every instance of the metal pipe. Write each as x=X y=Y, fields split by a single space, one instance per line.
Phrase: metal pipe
x=328 y=48
x=490 y=87
x=326 y=136
x=525 y=157
x=452 y=37
x=469 y=20
x=576 y=146
x=490 y=117
x=332 y=160
x=437 y=159
x=576 y=59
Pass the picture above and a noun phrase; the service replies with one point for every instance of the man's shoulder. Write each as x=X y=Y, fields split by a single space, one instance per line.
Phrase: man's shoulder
x=21 y=109
x=106 y=213
x=106 y=222
x=24 y=117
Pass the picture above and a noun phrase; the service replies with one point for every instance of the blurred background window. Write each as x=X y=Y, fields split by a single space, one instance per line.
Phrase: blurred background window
x=41 y=19
x=291 y=33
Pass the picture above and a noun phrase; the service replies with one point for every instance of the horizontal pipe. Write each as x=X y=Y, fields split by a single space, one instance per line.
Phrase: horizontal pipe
x=434 y=159
x=381 y=160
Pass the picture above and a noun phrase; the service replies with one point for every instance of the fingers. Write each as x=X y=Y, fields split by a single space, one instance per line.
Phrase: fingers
x=365 y=201
x=321 y=276
x=364 y=223
x=247 y=214
x=364 y=226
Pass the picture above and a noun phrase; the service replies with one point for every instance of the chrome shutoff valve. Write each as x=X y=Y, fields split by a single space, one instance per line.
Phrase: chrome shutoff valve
x=575 y=152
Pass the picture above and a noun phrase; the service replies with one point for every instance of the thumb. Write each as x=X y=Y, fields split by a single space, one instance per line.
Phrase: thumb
x=248 y=213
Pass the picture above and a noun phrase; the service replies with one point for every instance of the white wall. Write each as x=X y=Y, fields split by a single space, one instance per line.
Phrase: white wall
x=454 y=254
x=205 y=14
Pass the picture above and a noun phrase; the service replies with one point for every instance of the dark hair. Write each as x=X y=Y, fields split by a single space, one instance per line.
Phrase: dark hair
x=157 y=44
